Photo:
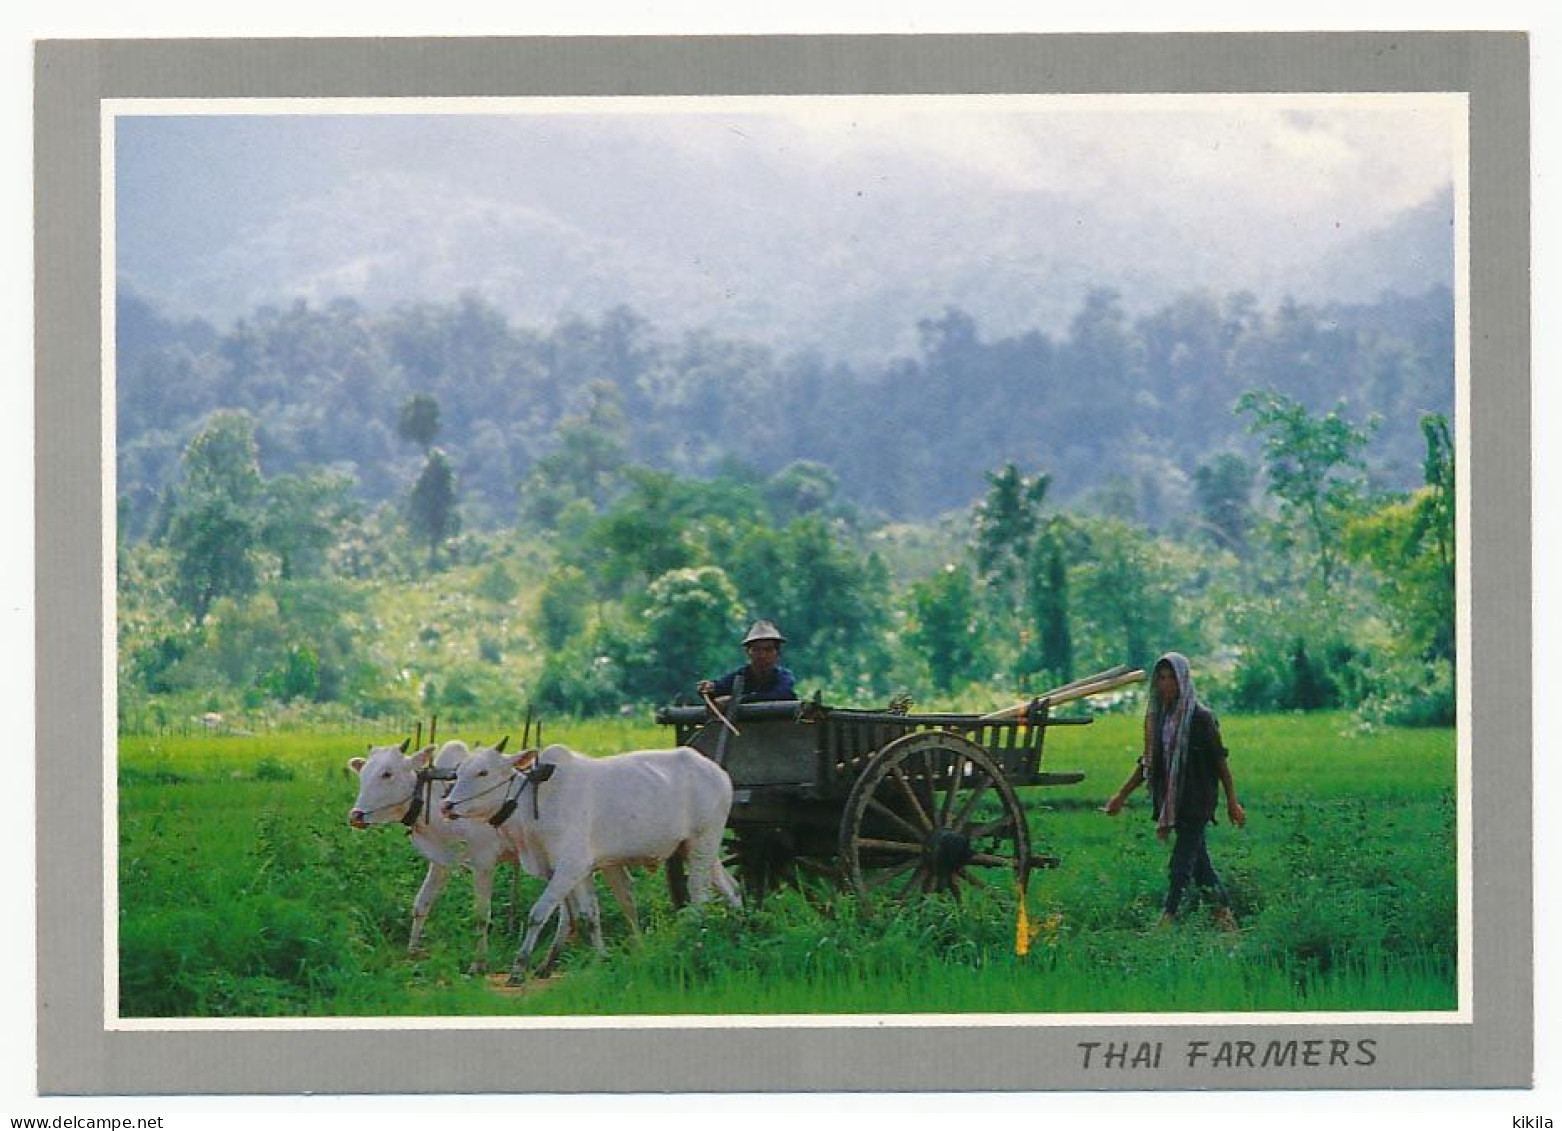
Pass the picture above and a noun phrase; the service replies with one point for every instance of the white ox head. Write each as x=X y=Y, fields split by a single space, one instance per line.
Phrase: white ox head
x=387 y=784
x=485 y=781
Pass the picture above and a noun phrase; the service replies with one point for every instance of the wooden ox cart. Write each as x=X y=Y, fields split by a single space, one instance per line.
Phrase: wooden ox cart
x=890 y=804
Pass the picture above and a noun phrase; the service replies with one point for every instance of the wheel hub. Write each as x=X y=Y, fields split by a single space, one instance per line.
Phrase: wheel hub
x=946 y=851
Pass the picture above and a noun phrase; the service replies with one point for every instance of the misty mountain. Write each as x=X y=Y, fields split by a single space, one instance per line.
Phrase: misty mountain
x=841 y=258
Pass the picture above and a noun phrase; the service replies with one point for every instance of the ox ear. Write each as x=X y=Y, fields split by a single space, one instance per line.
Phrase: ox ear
x=421 y=758
x=499 y=746
x=522 y=760
x=357 y=764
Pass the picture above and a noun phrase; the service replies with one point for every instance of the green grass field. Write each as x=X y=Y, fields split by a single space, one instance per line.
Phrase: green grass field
x=243 y=892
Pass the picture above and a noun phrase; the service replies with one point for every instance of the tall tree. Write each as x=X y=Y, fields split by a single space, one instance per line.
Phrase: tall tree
x=1048 y=598
x=946 y=626
x=304 y=517
x=431 y=508
x=1409 y=543
x=692 y=617
x=419 y=420
x=1224 y=489
x=1314 y=465
x=216 y=521
x=1006 y=522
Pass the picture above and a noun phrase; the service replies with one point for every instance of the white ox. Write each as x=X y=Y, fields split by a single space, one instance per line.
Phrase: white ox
x=568 y=814
x=391 y=790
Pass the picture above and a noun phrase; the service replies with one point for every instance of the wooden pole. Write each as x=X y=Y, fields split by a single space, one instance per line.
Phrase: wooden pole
x=1079 y=689
x=1082 y=680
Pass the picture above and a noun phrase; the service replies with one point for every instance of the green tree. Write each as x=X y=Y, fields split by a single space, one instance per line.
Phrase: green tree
x=562 y=605
x=1314 y=465
x=1409 y=543
x=588 y=462
x=1005 y=523
x=1048 y=598
x=946 y=626
x=215 y=525
x=304 y=517
x=802 y=487
x=1125 y=587
x=419 y=420
x=431 y=508
x=692 y=617
x=829 y=599
x=1224 y=489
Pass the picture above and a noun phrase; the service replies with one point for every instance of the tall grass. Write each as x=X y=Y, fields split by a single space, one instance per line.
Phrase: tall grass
x=243 y=892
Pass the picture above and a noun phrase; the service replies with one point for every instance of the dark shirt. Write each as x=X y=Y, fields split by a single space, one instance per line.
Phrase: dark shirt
x=778 y=686
x=1198 y=788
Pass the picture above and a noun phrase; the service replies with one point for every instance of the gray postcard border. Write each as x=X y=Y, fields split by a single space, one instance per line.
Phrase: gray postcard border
x=77 y=1055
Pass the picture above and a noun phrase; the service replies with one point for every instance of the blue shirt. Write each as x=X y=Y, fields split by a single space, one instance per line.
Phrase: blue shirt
x=778 y=686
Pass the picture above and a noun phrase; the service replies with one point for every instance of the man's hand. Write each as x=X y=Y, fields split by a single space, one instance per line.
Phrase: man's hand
x=1235 y=811
x=705 y=687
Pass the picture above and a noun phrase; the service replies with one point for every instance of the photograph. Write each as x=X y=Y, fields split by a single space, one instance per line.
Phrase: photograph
x=1005 y=448
x=948 y=564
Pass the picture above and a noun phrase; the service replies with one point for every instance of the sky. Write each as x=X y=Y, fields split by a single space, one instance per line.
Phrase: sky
x=753 y=214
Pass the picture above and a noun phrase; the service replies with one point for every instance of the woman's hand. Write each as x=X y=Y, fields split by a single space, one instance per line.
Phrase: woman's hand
x=1235 y=811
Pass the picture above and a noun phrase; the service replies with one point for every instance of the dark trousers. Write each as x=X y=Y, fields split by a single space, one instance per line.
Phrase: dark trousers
x=1190 y=861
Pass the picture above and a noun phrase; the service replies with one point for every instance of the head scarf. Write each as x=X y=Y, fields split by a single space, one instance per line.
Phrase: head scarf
x=1166 y=730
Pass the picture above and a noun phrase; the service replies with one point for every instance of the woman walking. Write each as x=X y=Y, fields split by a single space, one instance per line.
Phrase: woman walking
x=1184 y=760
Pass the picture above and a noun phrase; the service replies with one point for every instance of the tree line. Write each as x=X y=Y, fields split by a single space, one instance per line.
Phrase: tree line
x=1295 y=578
x=1125 y=412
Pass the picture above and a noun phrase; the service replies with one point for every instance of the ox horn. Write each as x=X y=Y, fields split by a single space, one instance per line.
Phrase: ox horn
x=499 y=746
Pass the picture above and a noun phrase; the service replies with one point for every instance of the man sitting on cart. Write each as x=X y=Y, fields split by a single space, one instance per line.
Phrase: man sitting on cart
x=762 y=679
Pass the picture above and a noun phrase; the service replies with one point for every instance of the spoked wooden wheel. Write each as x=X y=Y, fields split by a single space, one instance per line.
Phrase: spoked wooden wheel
x=932 y=812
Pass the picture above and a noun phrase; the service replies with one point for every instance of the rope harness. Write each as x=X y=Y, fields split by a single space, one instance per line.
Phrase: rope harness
x=420 y=801
x=538 y=774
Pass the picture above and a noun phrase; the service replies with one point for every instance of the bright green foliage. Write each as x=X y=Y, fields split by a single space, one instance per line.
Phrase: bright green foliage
x=1004 y=524
x=692 y=618
x=216 y=524
x=1315 y=468
x=1125 y=586
x=1047 y=596
x=1409 y=542
x=563 y=605
x=304 y=517
x=1344 y=880
x=831 y=601
x=947 y=626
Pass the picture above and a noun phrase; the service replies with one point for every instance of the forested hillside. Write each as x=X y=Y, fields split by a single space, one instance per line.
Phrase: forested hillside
x=436 y=511
x=1121 y=413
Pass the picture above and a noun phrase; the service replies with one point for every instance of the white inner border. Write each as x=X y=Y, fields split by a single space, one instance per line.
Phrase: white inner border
x=1455 y=104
